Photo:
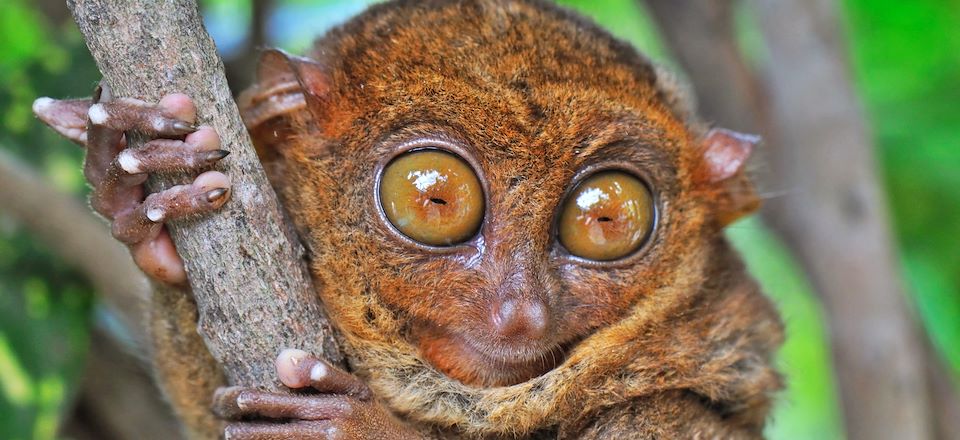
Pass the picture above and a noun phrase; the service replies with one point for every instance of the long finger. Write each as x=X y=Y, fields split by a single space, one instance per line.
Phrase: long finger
x=299 y=369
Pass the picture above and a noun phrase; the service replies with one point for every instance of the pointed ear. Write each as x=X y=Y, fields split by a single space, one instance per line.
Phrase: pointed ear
x=286 y=85
x=721 y=174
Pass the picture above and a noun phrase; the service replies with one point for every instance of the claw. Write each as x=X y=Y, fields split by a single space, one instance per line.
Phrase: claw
x=216 y=155
x=156 y=215
x=183 y=127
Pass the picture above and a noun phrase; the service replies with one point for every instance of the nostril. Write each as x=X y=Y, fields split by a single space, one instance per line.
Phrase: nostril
x=520 y=319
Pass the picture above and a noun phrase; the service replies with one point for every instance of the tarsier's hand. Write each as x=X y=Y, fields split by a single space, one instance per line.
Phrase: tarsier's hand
x=117 y=174
x=344 y=409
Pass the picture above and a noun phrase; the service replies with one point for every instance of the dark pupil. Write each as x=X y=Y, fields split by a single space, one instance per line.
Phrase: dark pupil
x=604 y=219
x=438 y=201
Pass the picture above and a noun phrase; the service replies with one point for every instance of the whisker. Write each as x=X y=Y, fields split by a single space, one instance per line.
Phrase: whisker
x=769 y=195
x=587 y=306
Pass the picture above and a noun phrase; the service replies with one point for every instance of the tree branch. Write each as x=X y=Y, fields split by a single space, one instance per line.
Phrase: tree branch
x=79 y=237
x=118 y=398
x=699 y=34
x=245 y=266
x=242 y=68
x=117 y=395
x=833 y=215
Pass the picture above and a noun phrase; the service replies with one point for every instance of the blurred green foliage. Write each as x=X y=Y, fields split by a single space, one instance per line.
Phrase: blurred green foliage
x=905 y=58
x=45 y=307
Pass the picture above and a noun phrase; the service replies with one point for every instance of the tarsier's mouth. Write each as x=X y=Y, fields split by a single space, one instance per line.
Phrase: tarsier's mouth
x=514 y=355
x=478 y=362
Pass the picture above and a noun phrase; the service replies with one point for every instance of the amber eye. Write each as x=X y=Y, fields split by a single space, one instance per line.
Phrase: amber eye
x=608 y=216
x=432 y=196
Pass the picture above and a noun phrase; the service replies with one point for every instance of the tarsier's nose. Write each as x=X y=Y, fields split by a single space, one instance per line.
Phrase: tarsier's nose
x=520 y=319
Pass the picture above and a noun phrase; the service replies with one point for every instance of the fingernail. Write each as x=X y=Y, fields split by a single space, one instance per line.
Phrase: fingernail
x=318 y=372
x=129 y=162
x=184 y=126
x=288 y=368
x=292 y=356
x=100 y=92
x=155 y=214
x=41 y=104
x=217 y=155
x=215 y=195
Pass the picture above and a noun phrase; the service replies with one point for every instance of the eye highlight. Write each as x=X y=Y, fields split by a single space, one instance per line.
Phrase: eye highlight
x=608 y=216
x=432 y=196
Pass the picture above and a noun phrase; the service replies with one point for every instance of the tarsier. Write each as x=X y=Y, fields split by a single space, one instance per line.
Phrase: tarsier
x=513 y=219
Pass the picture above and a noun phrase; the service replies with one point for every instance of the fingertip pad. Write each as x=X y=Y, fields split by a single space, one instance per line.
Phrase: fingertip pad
x=290 y=368
x=180 y=106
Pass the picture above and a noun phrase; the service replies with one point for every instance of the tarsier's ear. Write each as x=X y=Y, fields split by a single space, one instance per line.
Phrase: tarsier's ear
x=722 y=176
x=286 y=86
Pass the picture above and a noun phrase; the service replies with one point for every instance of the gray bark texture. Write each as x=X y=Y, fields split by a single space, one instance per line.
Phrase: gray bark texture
x=244 y=264
x=819 y=156
x=835 y=217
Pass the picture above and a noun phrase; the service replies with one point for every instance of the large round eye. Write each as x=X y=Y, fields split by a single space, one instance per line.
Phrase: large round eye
x=608 y=216
x=432 y=196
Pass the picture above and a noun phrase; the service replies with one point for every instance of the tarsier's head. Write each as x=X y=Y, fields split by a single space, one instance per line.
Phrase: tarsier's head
x=490 y=181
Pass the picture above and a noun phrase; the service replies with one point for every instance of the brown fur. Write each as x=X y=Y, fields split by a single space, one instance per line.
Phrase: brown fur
x=184 y=368
x=675 y=341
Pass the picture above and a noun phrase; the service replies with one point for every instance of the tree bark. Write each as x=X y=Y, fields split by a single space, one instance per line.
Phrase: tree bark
x=835 y=217
x=244 y=264
x=832 y=212
x=699 y=34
